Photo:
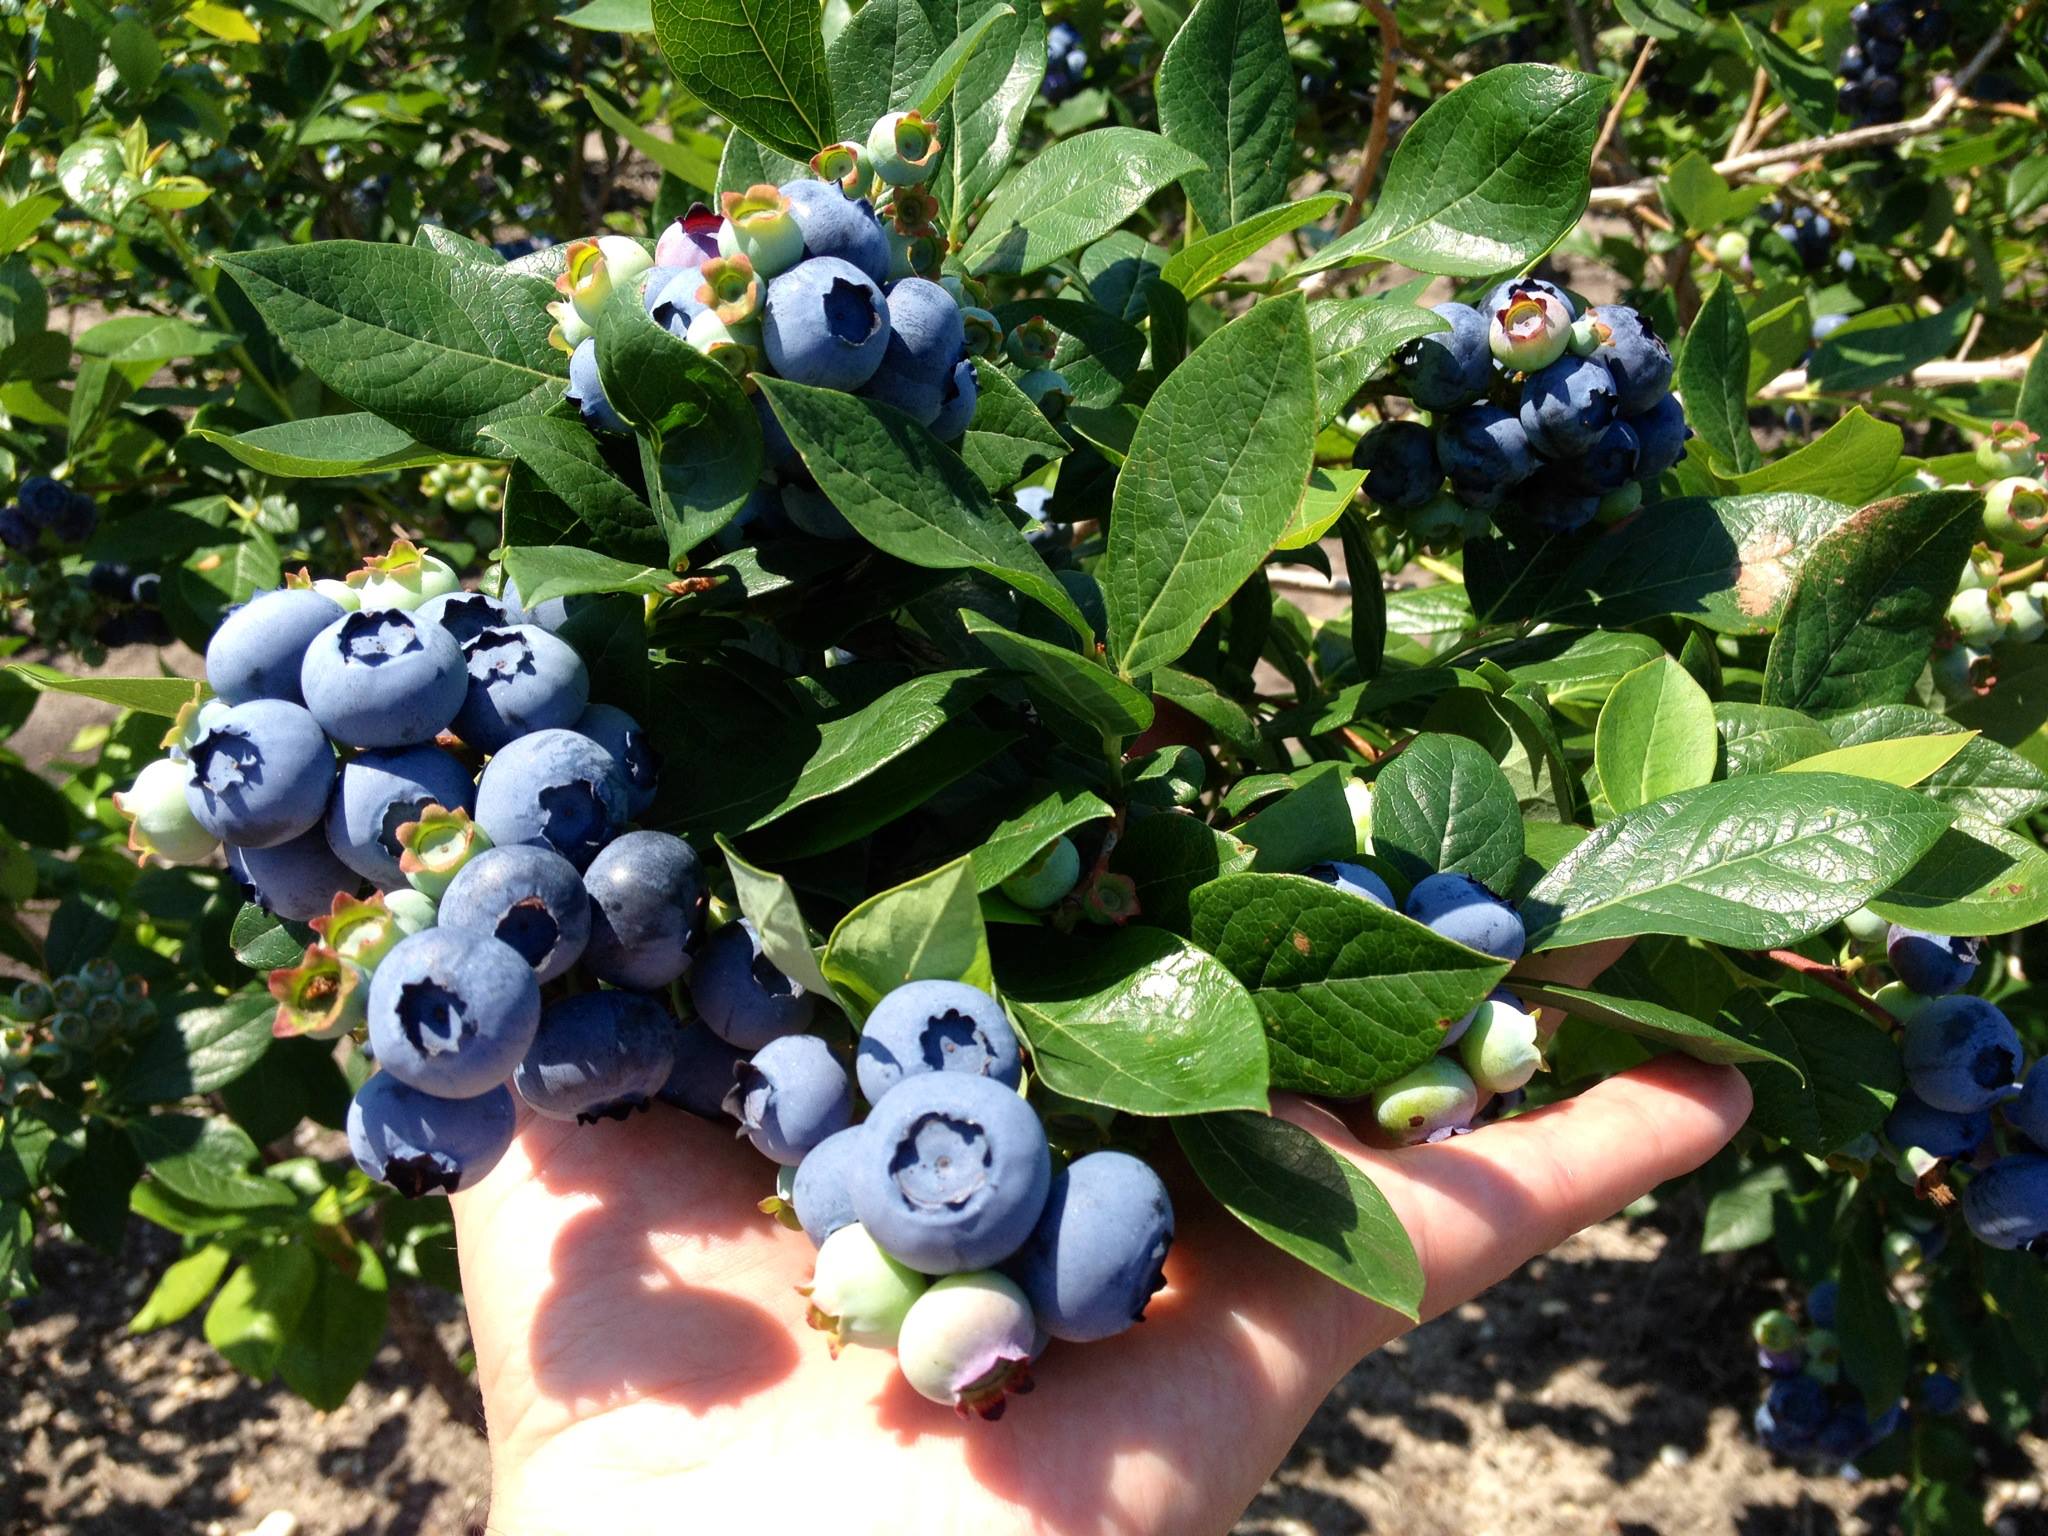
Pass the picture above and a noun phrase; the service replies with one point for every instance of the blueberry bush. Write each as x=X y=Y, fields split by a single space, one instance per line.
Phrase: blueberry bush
x=798 y=619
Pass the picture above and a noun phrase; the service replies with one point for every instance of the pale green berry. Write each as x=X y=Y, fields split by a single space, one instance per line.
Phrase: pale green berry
x=2010 y=448
x=2016 y=512
x=1620 y=502
x=1963 y=672
x=2025 y=618
x=161 y=825
x=737 y=346
x=340 y=592
x=903 y=148
x=1902 y=1253
x=1358 y=800
x=761 y=226
x=1866 y=927
x=1731 y=249
x=1900 y=1001
x=435 y=847
x=1775 y=1331
x=968 y=1341
x=1823 y=1355
x=1048 y=877
x=1973 y=615
x=404 y=578
x=858 y=1294
x=1437 y=1096
x=1438 y=522
x=411 y=911
x=1500 y=1047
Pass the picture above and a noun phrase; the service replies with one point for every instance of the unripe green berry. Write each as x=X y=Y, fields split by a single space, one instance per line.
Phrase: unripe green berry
x=858 y=1294
x=1900 y=1001
x=1866 y=927
x=1974 y=617
x=1499 y=1048
x=1437 y=1096
x=1047 y=878
x=1775 y=1331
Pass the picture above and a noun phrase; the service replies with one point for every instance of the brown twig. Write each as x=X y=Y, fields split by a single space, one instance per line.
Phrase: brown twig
x=1628 y=89
x=1382 y=112
x=1360 y=745
x=1759 y=88
x=1832 y=977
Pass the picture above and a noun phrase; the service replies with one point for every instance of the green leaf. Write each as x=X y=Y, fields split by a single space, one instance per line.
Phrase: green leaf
x=324 y=447
x=1225 y=90
x=1330 y=494
x=1655 y=736
x=151 y=339
x=1307 y=1201
x=1490 y=177
x=542 y=572
x=1806 y=85
x=205 y=1161
x=1169 y=856
x=1754 y=863
x=148 y=695
x=1219 y=463
x=21 y=221
x=909 y=495
x=767 y=902
x=1353 y=995
x=255 y=1313
x=1856 y=459
x=340 y=1331
x=927 y=929
x=196 y=1051
x=1978 y=879
x=1869 y=601
x=1009 y=436
x=1835 y=1077
x=982 y=121
x=1444 y=804
x=1984 y=779
x=1744 y=1214
x=1858 y=357
x=1355 y=338
x=1760 y=738
x=1071 y=193
x=612 y=16
x=1017 y=840
x=1700 y=199
x=1081 y=699
x=565 y=458
x=1196 y=268
x=1902 y=760
x=679 y=160
x=936 y=88
x=1136 y=1020
x=758 y=63
x=181 y=1289
x=1874 y=1355
x=1713 y=375
x=438 y=347
x=1646 y=1020
x=1577 y=673
x=1308 y=825
x=262 y=942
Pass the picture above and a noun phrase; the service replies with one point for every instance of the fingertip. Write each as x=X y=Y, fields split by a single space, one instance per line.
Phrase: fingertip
x=1697 y=1099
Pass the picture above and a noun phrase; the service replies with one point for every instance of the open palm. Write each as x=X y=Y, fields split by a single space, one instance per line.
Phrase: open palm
x=646 y=1366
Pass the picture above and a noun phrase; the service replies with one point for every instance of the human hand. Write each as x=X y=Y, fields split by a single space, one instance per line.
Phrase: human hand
x=645 y=1363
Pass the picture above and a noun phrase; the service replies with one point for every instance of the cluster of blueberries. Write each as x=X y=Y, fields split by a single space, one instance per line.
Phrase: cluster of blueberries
x=1540 y=413
x=58 y=1028
x=44 y=505
x=1983 y=613
x=131 y=615
x=110 y=605
x=1066 y=63
x=813 y=281
x=1872 y=90
x=1810 y=234
x=1486 y=1058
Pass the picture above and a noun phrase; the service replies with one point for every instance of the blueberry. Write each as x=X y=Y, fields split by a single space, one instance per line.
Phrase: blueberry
x=465 y=615
x=145 y=589
x=958 y=401
x=834 y=224
x=381 y=790
x=790 y=1097
x=383 y=679
x=903 y=148
x=16 y=531
x=1932 y=964
x=452 y=1012
x=1354 y=879
x=596 y=1056
x=1530 y=327
x=2007 y=1204
x=586 y=391
x=1484 y=446
x=529 y=898
x=647 y=901
x=820 y=1194
x=1961 y=1054
x=521 y=679
x=638 y=763
x=741 y=996
x=109 y=578
x=926 y=341
x=1099 y=1249
x=967 y=1342
x=1937 y=1132
x=1889 y=20
x=1929 y=27
x=858 y=1294
x=258 y=649
x=1460 y=908
x=1047 y=878
x=702 y=1074
x=1429 y=1102
x=552 y=789
x=1660 y=434
x=1799 y=1405
x=1399 y=460
x=825 y=324
x=935 y=1026
x=1940 y=1392
x=954 y=1173
x=296 y=880
x=672 y=299
x=1634 y=356
x=1566 y=406
x=1446 y=370
x=261 y=775
x=1611 y=461
x=422 y=1145
x=2028 y=1113
x=1821 y=1302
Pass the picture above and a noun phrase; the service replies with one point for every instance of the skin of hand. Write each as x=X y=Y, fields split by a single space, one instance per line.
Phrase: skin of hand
x=646 y=1367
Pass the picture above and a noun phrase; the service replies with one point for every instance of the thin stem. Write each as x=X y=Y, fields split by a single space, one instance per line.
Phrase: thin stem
x=1794 y=382
x=1759 y=88
x=1832 y=977
x=194 y=266
x=1628 y=89
x=1382 y=112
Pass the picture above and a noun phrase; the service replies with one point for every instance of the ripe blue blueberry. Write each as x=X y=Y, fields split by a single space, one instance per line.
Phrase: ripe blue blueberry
x=926 y=342
x=1566 y=406
x=597 y=1056
x=296 y=880
x=935 y=1026
x=43 y=500
x=1447 y=370
x=451 y=1013
x=257 y=651
x=825 y=324
x=1961 y=1054
x=834 y=224
x=381 y=790
x=647 y=899
x=552 y=789
x=702 y=1074
x=790 y=1097
x=529 y=898
x=2028 y=1113
x=261 y=775
x=1937 y=1132
x=968 y=1341
x=740 y=994
x=671 y=297
x=383 y=679
x=819 y=1192
x=1940 y=1392
x=1099 y=1249
x=1634 y=356
x=620 y=735
x=1355 y=879
x=1932 y=964
x=1460 y=908
x=1798 y=1406
x=1399 y=460
x=954 y=1173
x=1821 y=1302
x=1484 y=448
x=1660 y=433
x=465 y=615
x=586 y=390
x=2007 y=1204
x=1610 y=461
x=423 y=1145
x=957 y=403
x=521 y=679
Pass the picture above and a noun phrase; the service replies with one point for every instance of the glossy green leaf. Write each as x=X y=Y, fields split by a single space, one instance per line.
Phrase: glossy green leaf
x=982 y=121
x=564 y=571
x=1330 y=494
x=1836 y=1076
x=196 y=1051
x=935 y=90
x=204 y=1159
x=1017 y=839
x=1444 y=804
x=679 y=160
x=151 y=339
x=1655 y=736
x=566 y=459
x=1977 y=879
x=1857 y=357
x=927 y=929
x=1009 y=436
x=181 y=1288
x=1713 y=376
x=254 y=1314
x=325 y=447
x=1079 y=697
x=1855 y=460
x=1356 y=338
x=758 y=63
x=1225 y=89
x=148 y=695
x=1072 y=192
x=1647 y=1020
x=1761 y=738
x=340 y=1331
x=767 y=902
x=1169 y=855
x=1806 y=84
x=1984 y=779
x=1196 y=268
x=1309 y=824
x=1903 y=760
